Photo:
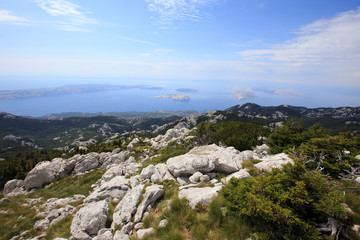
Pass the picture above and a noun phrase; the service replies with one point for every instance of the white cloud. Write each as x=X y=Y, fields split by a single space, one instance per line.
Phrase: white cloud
x=136 y=40
x=145 y=54
x=71 y=15
x=169 y=11
x=328 y=46
x=176 y=97
x=286 y=92
x=7 y=16
x=243 y=93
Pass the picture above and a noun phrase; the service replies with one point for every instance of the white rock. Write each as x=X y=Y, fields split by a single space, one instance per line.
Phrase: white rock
x=262 y=151
x=205 y=159
x=163 y=223
x=202 y=196
x=12 y=185
x=115 y=159
x=243 y=173
x=152 y=193
x=86 y=163
x=126 y=207
x=205 y=178
x=138 y=226
x=121 y=236
x=41 y=174
x=145 y=232
x=127 y=229
x=147 y=172
x=357 y=180
x=104 y=234
x=115 y=188
x=273 y=161
x=195 y=178
x=89 y=220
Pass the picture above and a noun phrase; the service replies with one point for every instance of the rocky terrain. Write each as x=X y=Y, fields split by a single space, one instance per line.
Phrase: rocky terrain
x=134 y=185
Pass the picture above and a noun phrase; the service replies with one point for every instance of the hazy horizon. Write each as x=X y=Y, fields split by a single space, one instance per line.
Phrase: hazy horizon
x=180 y=55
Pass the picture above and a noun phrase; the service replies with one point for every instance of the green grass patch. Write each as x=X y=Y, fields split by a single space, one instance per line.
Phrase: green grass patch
x=17 y=220
x=60 y=230
x=112 y=205
x=68 y=187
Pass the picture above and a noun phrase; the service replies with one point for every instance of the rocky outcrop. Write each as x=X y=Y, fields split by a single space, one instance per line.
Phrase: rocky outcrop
x=243 y=173
x=145 y=232
x=115 y=188
x=14 y=185
x=171 y=135
x=156 y=173
x=43 y=173
x=127 y=207
x=208 y=158
x=152 y=193
x=273 y=161
x=202 y=196
x=89 y=220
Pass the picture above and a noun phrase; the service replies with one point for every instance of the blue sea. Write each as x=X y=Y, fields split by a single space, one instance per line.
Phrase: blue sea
x=115 y=101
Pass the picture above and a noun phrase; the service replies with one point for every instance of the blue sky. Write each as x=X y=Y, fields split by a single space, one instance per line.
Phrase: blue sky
x=297 y=52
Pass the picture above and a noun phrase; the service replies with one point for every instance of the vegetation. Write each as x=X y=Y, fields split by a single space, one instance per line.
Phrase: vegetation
x=334 y=155
x=240 y=135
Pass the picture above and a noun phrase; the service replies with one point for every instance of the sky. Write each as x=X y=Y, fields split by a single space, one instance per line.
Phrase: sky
x=271 y=52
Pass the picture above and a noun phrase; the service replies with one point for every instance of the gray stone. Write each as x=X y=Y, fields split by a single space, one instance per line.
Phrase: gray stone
x=273 y=161
x=163 y=223
x=145 y=232
x=127 y=229
x=147 y=172
x=126 y=207
x=202 y=196
x=119 y=235
x=195 y=178
x=12 y=185
x=357 y=180
x=152 y=193
x=243 y=173
x=89 y=220
x=104 y=234
x=41 y=174
x=138 y=226
x=115 y=188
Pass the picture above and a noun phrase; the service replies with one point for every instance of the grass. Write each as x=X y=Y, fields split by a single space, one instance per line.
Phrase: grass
x=68 y=187
x=249 y=165
x=112 y=205
x=60 y=230
x=11 y=225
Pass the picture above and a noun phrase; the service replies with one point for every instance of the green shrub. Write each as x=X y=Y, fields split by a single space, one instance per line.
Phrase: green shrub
x=285 y=202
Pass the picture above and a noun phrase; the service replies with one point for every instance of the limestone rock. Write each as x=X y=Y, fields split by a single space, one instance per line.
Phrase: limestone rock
x=243 y=173
x=262 y=151
x=357 y=180
x=152 y=193
x=115 y=159
x=121 y=236
x=126 y=207
x=195 y=178
x=41 y=174
x=115 y=188
x=104 y=234
x=205 y=159
x=86 y=163
x=89 y=220
x=273 y=161
x=202 y=196
x=147 y=172
x=145 y=232
x=12 y=185
x=163 y=223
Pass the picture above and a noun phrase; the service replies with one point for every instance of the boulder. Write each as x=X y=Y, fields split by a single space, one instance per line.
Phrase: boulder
x=115 y=188
x=147 y=172
x=115 y=159
x=262 y=151
x=208 y=158
x=12 y=185
x=89 y=220
x=145 y=232
x=163 y=223
x=202 y=196
x=86 y=163
x=127 y=207
x=273 y=161
x=121 y=236
x=243 y=173
x=43 y=173
x=104 y=234
x=152 y=193
x=195 y=178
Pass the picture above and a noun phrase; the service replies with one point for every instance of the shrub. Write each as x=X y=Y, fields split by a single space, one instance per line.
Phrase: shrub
x=285 y=203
